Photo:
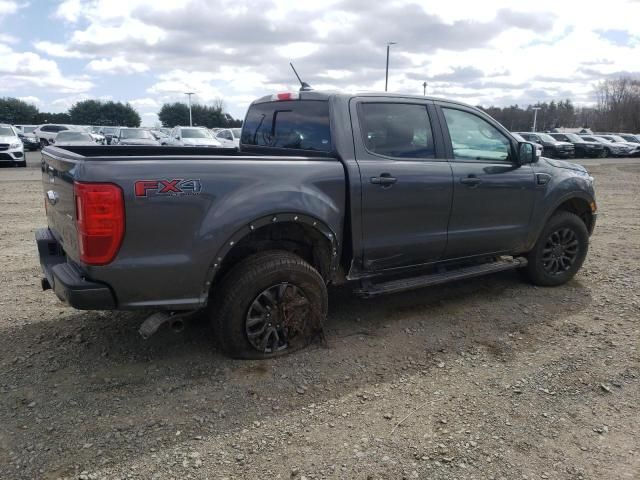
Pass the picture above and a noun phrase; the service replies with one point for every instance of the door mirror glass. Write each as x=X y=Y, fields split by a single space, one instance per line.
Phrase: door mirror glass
x=528 y=153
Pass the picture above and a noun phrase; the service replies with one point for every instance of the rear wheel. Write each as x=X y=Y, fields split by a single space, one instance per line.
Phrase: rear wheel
x=559 y=252
x=270 y=304
x=43 y=142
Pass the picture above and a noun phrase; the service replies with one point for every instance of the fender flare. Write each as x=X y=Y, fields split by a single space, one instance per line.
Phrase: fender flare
x=568 y=196
x=254 y=225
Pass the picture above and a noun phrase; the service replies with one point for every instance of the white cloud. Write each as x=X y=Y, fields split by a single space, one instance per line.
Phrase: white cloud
x=6 y=38
x=31 y=99
x=69 y=10
x=145 y=103
x=19 y=68
x=8 y=7
x=116 y=65
x=54 y=49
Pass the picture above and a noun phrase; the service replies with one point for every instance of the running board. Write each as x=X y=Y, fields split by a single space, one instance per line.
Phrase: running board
x=374 y=289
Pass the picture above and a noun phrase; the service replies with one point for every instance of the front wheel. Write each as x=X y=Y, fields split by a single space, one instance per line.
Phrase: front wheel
x=559 y=252
x=43 y=142
x=270 y=304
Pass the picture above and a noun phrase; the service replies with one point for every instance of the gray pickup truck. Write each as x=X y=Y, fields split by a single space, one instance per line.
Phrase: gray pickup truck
x=386 y=192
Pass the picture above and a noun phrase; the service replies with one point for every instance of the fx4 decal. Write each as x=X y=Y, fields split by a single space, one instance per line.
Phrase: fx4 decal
x=174 y=188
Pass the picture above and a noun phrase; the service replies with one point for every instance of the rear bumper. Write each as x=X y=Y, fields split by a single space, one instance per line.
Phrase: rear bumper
x=66 y=280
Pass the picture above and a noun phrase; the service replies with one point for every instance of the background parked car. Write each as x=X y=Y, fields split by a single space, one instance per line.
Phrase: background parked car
x=47 y=134
x=25 y=133
x=74 y=137
x=11 y=148
x=95 y=135
x=583 y=148
x=159 y=135
x=630 y=137
x=550 y=146
x=134 y=136
x=191 y=137
x=109 y=133
x=634 y=147
x=229 y=137
x=612 y=149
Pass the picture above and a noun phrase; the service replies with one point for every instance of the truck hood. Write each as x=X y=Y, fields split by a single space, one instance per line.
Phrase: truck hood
x=565 y=165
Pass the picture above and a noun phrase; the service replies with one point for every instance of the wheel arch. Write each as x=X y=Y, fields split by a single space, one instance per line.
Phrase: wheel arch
x=307 y=236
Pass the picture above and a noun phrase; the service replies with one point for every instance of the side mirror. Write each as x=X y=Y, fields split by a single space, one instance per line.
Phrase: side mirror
x=528 y=153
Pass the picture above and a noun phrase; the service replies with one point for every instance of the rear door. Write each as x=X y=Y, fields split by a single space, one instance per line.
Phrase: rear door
x=406 y=182
x=493 y=195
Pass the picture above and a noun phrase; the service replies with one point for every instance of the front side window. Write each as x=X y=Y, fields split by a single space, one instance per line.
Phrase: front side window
x=475 y=139
x=398 y=130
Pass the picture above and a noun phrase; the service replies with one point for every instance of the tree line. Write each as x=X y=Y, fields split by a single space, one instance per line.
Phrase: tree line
x=86 y=112
x=172 y=114
x=96 y=112
x=617 y=110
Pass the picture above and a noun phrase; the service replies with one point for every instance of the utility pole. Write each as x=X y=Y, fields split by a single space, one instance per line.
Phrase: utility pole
x=535 y=117
x=188 y=94
x=424 y=88
x=386 y=75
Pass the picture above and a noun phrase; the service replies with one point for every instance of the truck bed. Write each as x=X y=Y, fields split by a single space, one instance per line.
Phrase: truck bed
x=214 y=197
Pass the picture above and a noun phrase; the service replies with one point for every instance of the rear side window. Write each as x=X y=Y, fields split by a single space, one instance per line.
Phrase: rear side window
x=399 y=130
x=293 y=124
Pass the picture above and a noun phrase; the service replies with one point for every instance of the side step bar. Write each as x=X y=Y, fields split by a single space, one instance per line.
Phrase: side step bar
x=369 y=290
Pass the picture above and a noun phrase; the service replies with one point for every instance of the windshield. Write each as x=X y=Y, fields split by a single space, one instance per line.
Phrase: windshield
x=69 y=136
x=28 y=129
x=603 y=140
x=573 y=137
x=236 y=132
x=109 y=130
x=7 y=132
x=631 y=138
x=135 y=133
x=195 y=133
x=546 y=138
x=617 y=138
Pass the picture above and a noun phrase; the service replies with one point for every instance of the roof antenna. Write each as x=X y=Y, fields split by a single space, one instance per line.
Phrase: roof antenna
x=304 y=86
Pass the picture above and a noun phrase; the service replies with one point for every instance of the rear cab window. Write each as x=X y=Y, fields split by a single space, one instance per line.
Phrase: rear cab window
x=290 y=125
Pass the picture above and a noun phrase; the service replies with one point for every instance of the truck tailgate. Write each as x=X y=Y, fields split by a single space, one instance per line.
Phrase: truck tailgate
x=57 y=183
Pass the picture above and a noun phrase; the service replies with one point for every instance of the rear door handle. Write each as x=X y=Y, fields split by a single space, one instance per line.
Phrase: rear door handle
x=471 y=181
x=385 y=179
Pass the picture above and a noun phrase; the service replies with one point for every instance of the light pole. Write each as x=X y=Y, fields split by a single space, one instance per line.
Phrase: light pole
x=424 y=88
x=188 y=94
x=386 y=74
x=535 y=117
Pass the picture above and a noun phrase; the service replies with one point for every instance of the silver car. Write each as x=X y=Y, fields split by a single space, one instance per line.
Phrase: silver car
x=11 y=148
x=191 y=137
x=134 y=136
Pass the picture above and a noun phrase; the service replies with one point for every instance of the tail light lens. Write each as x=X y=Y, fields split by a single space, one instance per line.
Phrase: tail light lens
x=100 y=221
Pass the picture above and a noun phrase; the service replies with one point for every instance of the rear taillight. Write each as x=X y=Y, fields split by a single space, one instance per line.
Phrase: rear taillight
x=100 y=221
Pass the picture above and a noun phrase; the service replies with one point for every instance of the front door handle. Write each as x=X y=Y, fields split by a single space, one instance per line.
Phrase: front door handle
x=385 y=179
x=471 y=181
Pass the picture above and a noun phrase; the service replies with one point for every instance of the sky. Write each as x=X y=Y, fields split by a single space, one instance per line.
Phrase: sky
x=148 y=52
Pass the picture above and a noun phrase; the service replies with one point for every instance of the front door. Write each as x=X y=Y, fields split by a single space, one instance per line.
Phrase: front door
x=406 y=183
x=493 y=195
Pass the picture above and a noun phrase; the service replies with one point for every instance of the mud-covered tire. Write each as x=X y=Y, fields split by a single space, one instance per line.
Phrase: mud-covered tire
x=564 y=237
x=297 y=316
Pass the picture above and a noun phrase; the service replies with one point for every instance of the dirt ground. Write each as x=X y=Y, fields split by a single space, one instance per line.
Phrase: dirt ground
x=489 y=378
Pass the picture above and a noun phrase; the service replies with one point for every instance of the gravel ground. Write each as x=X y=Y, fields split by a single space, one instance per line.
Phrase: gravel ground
x=486 y=378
